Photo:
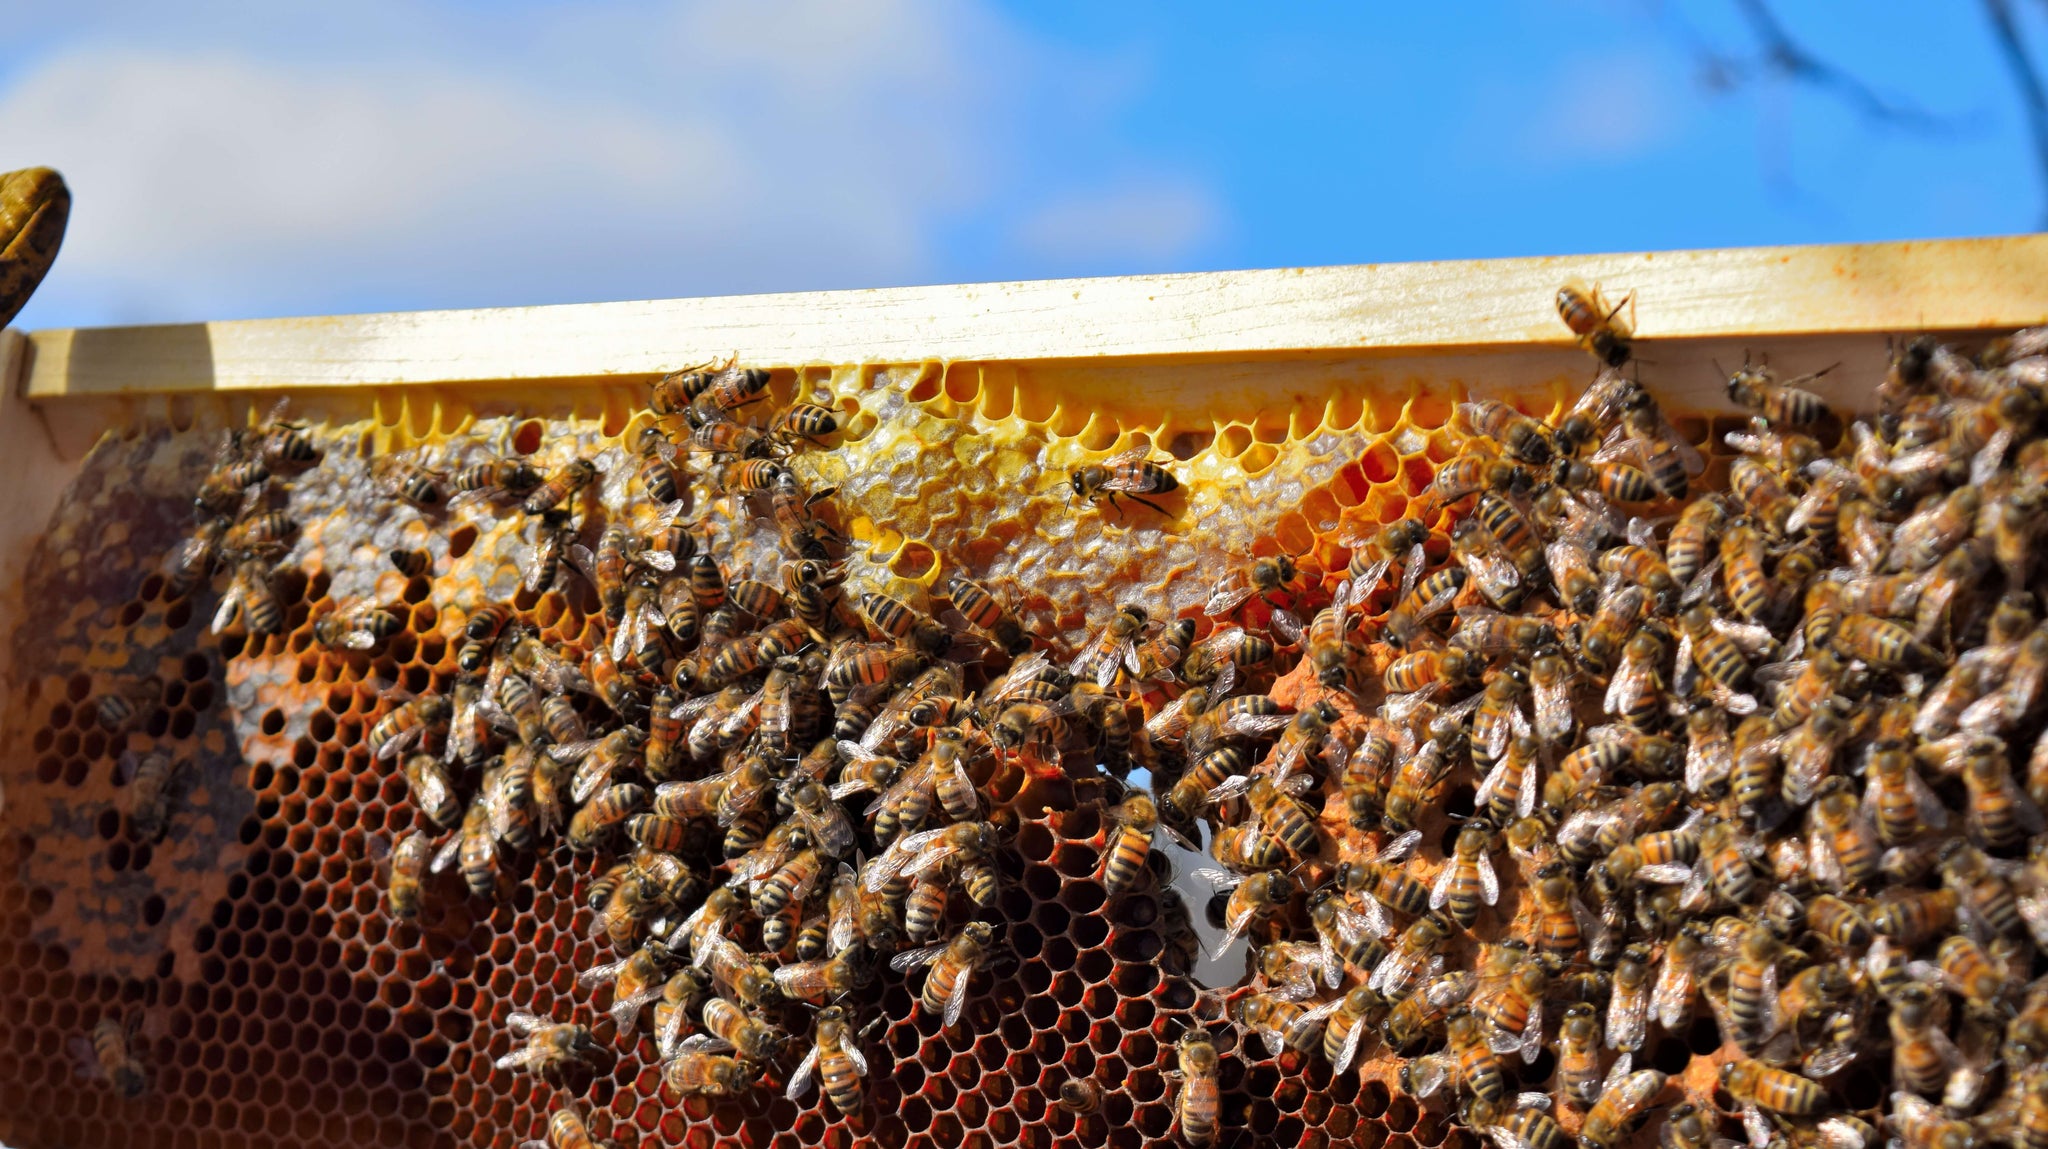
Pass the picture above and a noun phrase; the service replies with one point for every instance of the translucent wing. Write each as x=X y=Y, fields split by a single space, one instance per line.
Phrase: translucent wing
x=1489 y=883
x=1352 y=1041
x=1441 y=891
x=1400 y=847
x=911 y=959
x=800 y=1080
x=958 y=999
x=1288 y=626
x=1411 y=570
x=1427 y=1074
x=1229 y=594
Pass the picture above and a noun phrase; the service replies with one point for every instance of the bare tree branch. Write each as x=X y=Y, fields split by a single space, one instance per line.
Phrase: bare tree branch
x=1786 y=57
x=2007 y=32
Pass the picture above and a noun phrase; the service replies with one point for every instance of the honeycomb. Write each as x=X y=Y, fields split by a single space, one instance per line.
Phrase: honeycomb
x=270 y=995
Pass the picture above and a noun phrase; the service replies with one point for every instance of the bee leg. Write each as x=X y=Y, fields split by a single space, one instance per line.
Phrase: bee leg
x=1150 y=503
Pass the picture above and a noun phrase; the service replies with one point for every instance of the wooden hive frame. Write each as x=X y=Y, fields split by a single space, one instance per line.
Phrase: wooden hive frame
x=1187 y=341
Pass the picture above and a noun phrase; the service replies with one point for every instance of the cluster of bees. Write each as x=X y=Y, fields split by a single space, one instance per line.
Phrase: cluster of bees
x=1768 y=759
x=1577 y=754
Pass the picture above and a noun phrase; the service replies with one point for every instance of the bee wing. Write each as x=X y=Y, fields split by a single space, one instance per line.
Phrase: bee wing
x=1617 y=1074
x=1327 y=959
x=800 y=1080
x=1232 y=787
x=1755 y=641
x=853 y=1054
x=1440 y=892
x=2034 y=911
x=446 y=855
x=703 y=1043
x=230 y=607
x=1220 y=880
x=957 y=1001
x=897 y=857
x=1400 y=847
x=1411 y=570
x=1426 y=1074
x=1489 y=883
x=573 y=752
x=1124 y=653
x=1225 y=679
x=599 y=974
x=1288 y=626
x=1672 y=993
x=1369 y=577
x=1532 y=1035
x=1228 y=595
x=1170 y=723
x=1932 y=812
x=1352 y=1041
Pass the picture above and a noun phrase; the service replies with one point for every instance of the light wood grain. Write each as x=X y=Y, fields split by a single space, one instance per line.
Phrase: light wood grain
x=1375 y=309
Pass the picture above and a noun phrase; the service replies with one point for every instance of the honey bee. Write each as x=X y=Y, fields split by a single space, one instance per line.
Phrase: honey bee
x=1418 y=778
x=553 y=531
x=848 y=967
x=1130 y=474
x=1491 y=570
x=1897 y=801
x=1427 y=600
x=715 y=1075
x=108 y=1055
x=1524 y=439
x=1372 y=555
x=1624 y=1104
x=1252 y=899
x=1513 y=1007
x=1578 y=1055
x=1349 y=1024
x=195 y=559
x=1467 y=1058
x=252 y=598
x=1559 y=914
x=985 y=612
x=1197 y=1108
x=952 y=966
x=1346 y=936
x=566 y=1130
x=636 y=980
x=549 y=1046
x=835 y=1060
x=1283 y=1024
x=1079 y=1095
x=1754 y=1083
x=1467 y=879
x=265 y=532
x=422 y=487
x=1628 y=1008
x=1268 y=576
x=404 y=726
x=494 y=477
x=1415 y=956
x=1137 y=821
x=560 y=484
x=1417 y=1016
x=1599 y=328
x=356 y=628
x=1999 y=814
x=1612 y=625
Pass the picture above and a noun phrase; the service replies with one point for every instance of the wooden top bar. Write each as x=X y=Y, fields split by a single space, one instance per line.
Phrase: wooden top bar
x=1370 y=309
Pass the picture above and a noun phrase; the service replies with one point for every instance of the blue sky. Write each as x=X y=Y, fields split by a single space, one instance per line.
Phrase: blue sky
x=394 y=154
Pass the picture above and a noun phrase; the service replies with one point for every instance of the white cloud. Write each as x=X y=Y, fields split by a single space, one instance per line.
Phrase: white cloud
x=1599 y=108
x=627 y=150
x=1133 y=222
